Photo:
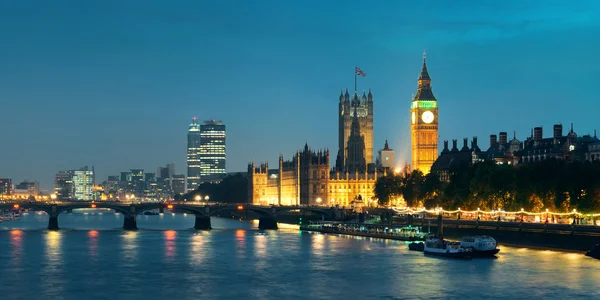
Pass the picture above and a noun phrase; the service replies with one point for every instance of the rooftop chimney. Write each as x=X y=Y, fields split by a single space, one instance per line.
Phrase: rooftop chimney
x=465 y=145
x=503 y=138
x=558 y=132
x=537 y=134
x=454 y=147
x=474 y=143
x=493 y=140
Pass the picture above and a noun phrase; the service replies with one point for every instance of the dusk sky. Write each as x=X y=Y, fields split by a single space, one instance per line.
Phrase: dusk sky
x=114 y=84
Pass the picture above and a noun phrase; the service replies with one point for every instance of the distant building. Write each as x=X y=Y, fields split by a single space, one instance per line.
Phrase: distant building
x=213 y=156
x=63 y=185
x=111 y=187
x=5 y=187
x=27 y=188
x=452 y=159
x=193 y=156
x=178 y=184
x=535 y=148
x=385 y=159
x=307 y=180
x=166 y=172
x=83 y=184
x=138 y=185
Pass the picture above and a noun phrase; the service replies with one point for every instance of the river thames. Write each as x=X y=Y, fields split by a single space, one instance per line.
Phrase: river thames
x=92 y=258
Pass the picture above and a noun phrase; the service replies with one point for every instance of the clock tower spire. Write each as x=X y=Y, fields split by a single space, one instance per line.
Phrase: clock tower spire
x=424 y=123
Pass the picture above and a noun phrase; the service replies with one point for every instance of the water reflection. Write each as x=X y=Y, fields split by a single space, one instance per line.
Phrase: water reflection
x=260 y=250
x=16 y=241
x=130 y=246
x=170 y=236
x=199 y=249
x=93 y=242
x=53 y=266
x=240 y=237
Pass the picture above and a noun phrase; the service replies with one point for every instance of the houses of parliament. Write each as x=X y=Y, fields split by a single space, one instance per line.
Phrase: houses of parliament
x=309 y=178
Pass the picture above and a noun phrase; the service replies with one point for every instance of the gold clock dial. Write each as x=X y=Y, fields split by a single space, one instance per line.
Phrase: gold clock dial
x=427 y=117
x=414 y=117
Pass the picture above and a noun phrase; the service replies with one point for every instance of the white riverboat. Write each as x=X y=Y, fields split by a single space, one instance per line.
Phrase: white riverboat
x=11 y=216
x=440 y=247
x=481 y=245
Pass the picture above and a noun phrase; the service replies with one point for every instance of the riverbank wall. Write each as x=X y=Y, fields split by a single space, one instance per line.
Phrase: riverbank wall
x=562 y=241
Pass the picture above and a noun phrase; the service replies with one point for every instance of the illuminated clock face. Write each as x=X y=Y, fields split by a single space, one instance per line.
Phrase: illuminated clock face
x=414 y=117
x=427 y=117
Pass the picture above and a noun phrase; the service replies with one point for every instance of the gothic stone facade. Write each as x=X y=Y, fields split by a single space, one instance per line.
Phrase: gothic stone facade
x=307 y=180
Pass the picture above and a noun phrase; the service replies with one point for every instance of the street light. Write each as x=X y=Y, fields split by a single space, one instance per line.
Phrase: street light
x=319 y=201
x=206 y=198
x=198 y=197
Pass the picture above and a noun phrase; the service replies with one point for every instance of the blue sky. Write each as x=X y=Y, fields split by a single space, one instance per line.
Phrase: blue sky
x=114 y=84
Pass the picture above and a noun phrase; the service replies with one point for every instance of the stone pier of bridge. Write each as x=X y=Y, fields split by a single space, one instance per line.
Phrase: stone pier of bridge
x=203 y=220
x=53 y=220
x=129 y=220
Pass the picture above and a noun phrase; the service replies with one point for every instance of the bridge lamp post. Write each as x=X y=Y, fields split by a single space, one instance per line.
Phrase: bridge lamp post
x=198 y=198
x=206 y=197
x=53 y=197
x=319 y=201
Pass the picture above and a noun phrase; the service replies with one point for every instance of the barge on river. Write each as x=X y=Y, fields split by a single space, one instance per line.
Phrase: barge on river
x=401 y=233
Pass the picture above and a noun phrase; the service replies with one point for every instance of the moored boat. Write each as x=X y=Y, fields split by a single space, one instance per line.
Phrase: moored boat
x=416 y=246
x=480 y=245
x=440 y=247
x=595 y=252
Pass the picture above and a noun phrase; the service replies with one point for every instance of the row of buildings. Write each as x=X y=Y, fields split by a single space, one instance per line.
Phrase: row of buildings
x=535 y=148
x=134 y=184
x=24 y=190
x=309 y=178
x=206 y=153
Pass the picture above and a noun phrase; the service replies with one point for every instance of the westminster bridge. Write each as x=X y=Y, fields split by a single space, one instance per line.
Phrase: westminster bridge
x=202 y=211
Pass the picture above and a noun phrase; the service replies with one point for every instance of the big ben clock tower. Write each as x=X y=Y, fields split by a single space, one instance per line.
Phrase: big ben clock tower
x=424 y=124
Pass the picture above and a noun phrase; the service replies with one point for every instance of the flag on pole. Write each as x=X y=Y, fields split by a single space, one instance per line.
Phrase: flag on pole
x=360 y=72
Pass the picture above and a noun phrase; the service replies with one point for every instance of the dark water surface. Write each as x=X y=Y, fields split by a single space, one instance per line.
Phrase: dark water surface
x=91 y=258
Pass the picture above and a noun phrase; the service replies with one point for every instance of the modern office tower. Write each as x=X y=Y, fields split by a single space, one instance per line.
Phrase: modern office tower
x=166 y=172
x=5 y=187
x=137 y=182
x=178 y=184
x=111 y=187
x=83 y=184
x=212 y=150
x=63 y=185
x=193 y=155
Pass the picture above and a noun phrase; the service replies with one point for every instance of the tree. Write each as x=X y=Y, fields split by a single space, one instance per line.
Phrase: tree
x=387 y=187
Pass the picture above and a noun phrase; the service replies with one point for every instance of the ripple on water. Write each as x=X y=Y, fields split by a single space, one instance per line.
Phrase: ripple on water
x=92 y=258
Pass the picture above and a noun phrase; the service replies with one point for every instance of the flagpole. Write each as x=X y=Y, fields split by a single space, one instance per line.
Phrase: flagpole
x=354 y=78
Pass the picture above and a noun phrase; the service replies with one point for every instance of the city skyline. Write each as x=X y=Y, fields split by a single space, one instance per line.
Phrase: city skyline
x=511 y=71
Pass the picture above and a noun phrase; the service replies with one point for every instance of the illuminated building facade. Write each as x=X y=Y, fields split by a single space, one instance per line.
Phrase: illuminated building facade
x=63 y=185
x=424 y=124
x=27 y=188
x=5 y=187
x=307 y=180
x=348 y=109
x=193 y=155
x=212 y=150
x=83 y=184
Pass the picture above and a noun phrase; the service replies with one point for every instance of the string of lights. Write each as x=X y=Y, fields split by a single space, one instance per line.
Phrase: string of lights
x=493 y=212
